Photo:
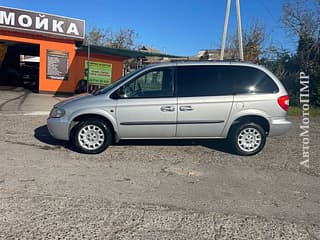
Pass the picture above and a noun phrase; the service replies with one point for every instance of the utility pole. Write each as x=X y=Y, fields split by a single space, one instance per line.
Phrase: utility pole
x=88 y=62
x=225 y=30
x=239 y=30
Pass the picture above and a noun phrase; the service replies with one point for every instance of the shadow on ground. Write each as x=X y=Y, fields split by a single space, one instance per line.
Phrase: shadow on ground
x=212 y=144
x=22 y=95
x=43 y=135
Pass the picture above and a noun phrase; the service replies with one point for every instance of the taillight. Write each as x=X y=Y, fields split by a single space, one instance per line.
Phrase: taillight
x=283 y=101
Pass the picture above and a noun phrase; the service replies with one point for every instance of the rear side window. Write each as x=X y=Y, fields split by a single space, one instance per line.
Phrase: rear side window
x=222 y=80
x=202 y=81
x=252 y=80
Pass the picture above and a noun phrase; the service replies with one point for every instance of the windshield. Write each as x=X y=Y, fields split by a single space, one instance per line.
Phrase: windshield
x=117 y=82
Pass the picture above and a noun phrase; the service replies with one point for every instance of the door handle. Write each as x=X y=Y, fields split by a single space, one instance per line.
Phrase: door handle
x=186 y=108
x=167 y=109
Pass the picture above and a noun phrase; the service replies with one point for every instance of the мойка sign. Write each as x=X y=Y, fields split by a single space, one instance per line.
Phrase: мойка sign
x=40 y=23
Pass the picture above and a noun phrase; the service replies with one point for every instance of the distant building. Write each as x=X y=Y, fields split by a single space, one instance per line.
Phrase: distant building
x=214 y=54
x=149 y=49
x=155 y=56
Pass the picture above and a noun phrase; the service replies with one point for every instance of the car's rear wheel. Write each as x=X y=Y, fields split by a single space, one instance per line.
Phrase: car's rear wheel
x=248 y=138
x=91 y=136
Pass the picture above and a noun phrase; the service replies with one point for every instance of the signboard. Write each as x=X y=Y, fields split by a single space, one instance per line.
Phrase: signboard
x=99 y=73
x=41 y=23
x=57 y=65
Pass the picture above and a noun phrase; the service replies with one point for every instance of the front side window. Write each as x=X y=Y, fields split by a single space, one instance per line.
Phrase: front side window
x=154 y=84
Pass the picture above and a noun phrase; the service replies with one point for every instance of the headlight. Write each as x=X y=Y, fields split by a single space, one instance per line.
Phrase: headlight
x=57 y=112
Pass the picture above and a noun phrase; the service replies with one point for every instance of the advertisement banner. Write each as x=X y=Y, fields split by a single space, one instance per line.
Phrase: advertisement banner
x=99 y=73
x=57 y=65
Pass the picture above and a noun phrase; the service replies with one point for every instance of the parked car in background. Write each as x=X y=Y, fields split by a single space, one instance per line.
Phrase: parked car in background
x=30 y=72
x=239 y=101
x=10 y=76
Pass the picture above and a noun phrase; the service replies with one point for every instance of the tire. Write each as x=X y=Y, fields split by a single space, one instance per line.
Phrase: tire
x=247 y=138
x=91 y=136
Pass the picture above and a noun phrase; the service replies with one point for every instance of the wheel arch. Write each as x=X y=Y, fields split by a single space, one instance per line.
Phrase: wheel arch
x=82 y=116
x=260 y=120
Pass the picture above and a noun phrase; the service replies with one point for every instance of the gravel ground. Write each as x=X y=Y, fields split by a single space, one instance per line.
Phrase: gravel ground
x=47 y=217
x=155 y=189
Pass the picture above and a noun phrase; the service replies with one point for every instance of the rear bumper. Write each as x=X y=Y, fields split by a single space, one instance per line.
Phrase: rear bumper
x=279 y=126
x=58 y=128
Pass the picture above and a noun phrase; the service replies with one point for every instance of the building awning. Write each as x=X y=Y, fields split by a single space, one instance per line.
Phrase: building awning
x=126 y=53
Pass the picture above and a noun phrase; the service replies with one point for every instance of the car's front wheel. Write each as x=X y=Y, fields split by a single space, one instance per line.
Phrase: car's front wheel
x=248 y=138
x=91 y=136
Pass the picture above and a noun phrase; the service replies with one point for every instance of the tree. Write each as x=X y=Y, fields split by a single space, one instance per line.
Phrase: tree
x=303 y=23
x=300 y=20
x=124 y=38
x=253 y=40
x=284 y=65
x=97 y=36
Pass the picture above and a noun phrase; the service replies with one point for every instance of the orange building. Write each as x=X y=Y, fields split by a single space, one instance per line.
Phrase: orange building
x=44 y=52
x=42 y=49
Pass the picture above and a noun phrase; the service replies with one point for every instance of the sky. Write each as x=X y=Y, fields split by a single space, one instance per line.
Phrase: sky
x=179 y=27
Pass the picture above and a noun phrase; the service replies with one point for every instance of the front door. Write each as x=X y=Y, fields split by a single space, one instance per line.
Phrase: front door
x=147 y=106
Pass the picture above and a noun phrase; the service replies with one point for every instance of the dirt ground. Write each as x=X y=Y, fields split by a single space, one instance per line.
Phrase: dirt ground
x=155 y=189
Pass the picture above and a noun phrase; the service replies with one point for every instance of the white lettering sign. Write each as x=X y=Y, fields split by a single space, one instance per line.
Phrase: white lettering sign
x=41 y=23
x=72 y=29
x=6 y=18
x=57 y=26
x=25 y=21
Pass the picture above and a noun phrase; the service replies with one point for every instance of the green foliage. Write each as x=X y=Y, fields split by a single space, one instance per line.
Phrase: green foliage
x=302 y=23
x=297 y=111
x=286 y=68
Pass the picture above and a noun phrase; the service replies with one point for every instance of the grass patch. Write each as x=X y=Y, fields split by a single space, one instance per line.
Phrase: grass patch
x=297 y=111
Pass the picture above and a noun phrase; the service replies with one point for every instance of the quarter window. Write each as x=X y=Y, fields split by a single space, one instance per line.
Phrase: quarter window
x=252 y=80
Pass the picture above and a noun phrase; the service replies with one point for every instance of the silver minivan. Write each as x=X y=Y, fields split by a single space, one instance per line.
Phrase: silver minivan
x=242 y=102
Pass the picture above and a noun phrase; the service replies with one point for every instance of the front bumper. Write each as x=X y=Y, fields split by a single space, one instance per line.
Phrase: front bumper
x=279 y=126
x=58 y=128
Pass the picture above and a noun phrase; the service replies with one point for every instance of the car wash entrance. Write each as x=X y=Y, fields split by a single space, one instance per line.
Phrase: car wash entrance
x=19 y=64
x=37 y=50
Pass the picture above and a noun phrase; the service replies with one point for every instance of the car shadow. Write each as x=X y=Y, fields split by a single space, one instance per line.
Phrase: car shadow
x=42 y=134
x=220 y=145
